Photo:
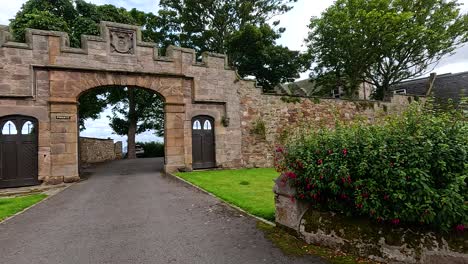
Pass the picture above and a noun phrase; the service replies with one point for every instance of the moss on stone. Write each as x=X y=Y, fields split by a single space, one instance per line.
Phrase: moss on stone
x=363 y=105
x=362 y=231
x=290 y=245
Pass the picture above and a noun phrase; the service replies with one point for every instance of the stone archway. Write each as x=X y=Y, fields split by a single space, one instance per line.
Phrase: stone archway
x=44 y=78
x=65 y=90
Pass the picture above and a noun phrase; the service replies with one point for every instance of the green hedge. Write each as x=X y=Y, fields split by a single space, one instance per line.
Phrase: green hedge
x=153 y=149
x=409 y=169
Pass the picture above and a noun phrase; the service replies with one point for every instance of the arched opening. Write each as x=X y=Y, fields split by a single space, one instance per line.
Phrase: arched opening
x=18 y=151
x=203 y=142
x=121 y=122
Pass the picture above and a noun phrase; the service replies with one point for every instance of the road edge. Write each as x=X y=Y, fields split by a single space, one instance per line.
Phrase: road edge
x=36 y=204
x=219 y=199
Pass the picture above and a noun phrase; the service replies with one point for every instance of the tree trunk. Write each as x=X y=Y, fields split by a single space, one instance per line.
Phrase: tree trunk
x=132 y=124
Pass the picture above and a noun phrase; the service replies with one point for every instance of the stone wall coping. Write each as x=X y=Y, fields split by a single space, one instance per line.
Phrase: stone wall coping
x=101 y=139
x=7 y=41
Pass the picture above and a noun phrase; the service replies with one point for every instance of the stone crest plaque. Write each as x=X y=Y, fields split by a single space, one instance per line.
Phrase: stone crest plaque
x=122 y=41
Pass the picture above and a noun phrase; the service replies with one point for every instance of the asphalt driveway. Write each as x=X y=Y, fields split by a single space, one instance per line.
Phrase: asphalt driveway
x=127 y=212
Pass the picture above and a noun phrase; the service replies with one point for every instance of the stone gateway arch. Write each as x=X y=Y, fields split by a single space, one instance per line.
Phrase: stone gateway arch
x=211 y=115
x=43 y=78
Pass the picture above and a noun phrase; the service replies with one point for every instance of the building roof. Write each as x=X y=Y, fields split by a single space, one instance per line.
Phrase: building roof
x=446 y=86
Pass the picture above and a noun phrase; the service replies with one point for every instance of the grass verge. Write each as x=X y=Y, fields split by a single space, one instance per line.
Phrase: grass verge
x=293 y=246
x=249 y=189
x=11 y=206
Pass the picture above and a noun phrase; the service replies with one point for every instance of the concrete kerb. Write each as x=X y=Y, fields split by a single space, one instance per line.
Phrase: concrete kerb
x=36 y=204
x=219 y=199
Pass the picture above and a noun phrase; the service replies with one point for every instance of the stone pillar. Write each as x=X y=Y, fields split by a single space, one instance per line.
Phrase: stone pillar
x=174 y=137
x=289 y=211
x=64 y=143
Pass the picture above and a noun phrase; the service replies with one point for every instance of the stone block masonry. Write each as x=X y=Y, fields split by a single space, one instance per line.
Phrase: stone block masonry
x=45 y=77
x=362 y=237
x=95 y=150
x=267 y=120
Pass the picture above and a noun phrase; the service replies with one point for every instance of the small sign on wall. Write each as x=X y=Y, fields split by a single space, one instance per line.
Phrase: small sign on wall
x=61 y=117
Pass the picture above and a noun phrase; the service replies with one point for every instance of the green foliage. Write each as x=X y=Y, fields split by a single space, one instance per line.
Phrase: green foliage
x=253 y=51
x=383 y=42
x=91 y=104
x=255 y=197
x=11 y=206
x=148 y=111
x=411 y=168
x=238 y=28
x=259 y=128
x=290 y=99
x=152 y=149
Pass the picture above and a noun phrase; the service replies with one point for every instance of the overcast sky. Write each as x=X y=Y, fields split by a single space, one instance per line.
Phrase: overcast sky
x=294 y=21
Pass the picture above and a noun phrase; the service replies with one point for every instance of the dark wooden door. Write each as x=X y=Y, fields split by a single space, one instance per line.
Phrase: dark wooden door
x=203 y=143
x=18 y=151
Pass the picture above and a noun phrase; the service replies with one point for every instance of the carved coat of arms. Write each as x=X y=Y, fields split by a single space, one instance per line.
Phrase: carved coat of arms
x=122 y=42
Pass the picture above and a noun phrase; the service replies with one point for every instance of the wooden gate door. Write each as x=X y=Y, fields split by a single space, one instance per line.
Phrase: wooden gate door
x=18 y=151
x=203 y=143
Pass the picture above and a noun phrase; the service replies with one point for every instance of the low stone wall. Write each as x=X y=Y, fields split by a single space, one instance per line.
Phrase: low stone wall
x=95 y=150
x=266 y=120
x=365 y=238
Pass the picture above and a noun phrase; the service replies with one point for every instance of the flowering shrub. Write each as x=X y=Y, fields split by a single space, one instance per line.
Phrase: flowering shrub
x=410 y=169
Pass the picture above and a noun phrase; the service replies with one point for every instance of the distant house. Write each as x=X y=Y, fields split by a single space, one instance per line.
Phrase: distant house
x=442 y=87
x=309 y=88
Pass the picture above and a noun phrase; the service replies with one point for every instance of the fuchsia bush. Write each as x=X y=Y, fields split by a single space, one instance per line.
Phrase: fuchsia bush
x=410 y=169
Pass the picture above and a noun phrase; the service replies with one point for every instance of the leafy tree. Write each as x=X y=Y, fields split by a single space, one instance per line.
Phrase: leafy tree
x=253 y=51
x=91 y=105
x=382 y=42
x=232 y=27
x=134 y=112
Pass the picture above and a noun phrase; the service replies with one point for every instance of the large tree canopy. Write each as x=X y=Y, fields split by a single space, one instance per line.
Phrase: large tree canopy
x=238 y=28
x=382 y=42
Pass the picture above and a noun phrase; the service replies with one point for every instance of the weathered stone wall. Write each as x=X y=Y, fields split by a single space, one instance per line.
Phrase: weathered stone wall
x=96 y=150
x=44 y=78
x=280 y=115
x=362 y=237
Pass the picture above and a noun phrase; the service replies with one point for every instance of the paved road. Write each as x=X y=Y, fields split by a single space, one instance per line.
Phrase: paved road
x=127 y=212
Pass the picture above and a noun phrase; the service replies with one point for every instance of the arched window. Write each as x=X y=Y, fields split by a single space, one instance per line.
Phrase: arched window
x=196 y=125
x=207 y=125
x=28 y=128
x=9 y=128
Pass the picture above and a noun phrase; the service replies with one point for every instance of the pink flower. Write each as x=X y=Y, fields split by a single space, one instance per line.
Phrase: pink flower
x=395 y=221
x=460 y=228
x=291 y=175
x=320 y=162
x=279 y=149
x=345 y=152
x=359 y=206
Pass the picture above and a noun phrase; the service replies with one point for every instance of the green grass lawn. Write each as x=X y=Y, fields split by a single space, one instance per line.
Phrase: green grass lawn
x=249 y=189
x=11 y=206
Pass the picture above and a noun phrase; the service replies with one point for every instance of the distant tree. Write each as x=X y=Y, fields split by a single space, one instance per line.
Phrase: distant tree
x=215 y=25
x=382 y=42
x=253 y=51
x=135 y=111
